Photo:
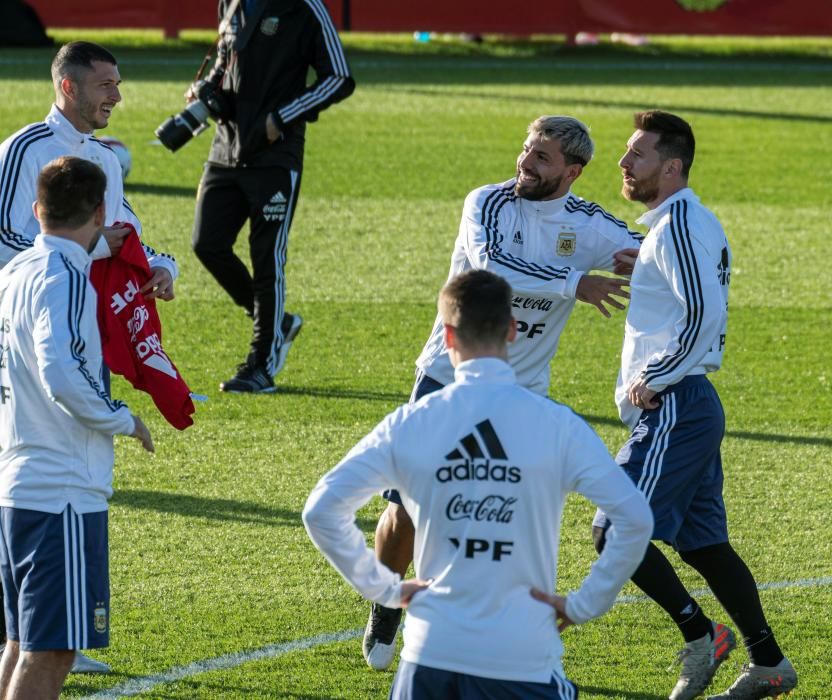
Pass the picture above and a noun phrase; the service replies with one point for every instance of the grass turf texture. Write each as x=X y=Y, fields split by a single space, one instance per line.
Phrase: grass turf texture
x=209 y=556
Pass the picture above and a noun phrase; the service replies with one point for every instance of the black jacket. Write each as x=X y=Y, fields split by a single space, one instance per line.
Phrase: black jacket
x=263 y=61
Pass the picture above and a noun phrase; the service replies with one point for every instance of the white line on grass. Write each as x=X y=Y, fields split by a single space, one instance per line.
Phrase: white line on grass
x=137 y=686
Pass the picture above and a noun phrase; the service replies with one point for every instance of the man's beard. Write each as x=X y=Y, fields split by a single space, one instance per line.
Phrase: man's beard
x=539 y=190
x=644 y=190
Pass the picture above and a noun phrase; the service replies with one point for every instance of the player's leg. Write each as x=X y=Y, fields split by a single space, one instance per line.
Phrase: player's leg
x=663 y=457
x=221 y=211
x=39 y=674
x=272 y=195
x=7 y=665
x=394 y=548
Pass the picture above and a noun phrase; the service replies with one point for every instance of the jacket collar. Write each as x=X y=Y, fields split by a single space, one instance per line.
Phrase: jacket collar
x=549 y=207
x=64 y=129
x=71 y=250
x=484 y=369
x=651 y=217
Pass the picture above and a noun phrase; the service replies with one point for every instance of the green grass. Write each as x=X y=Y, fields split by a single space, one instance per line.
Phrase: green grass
x=208 y=553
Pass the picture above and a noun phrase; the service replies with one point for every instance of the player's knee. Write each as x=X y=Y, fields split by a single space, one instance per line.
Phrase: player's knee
x=599 y=538
x=714 y=558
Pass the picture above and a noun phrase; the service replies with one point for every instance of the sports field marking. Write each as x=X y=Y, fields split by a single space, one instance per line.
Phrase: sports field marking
x=136 y=686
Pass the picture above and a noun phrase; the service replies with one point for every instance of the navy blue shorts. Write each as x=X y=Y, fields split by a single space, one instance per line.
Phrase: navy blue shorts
x=416 y=682
x=424 y=385
x=56 y=583
x=673 y=458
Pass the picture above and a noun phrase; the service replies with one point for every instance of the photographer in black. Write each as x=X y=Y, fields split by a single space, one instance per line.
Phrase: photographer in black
x=265 y=50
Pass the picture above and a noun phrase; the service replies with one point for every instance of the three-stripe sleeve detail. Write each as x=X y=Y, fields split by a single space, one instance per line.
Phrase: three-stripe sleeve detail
x=692 y=290
x=8 y=183
x=574 y=205
x=75 y=311
x=331 y=84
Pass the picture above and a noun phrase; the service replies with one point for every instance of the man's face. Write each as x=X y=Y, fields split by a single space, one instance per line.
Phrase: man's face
x=96 y=94
x=641 y=166
x=540 y=169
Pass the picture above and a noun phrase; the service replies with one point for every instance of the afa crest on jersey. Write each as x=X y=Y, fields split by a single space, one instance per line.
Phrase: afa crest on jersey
x=566 y=243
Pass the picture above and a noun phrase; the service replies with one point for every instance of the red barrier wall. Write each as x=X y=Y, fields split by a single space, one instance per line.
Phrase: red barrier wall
x=753 y=17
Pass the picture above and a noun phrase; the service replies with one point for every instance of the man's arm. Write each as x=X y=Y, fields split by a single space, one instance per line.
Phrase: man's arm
x=333 y=80
x=17 y=193
x=484 y=232
x=686 y=265
x=63 y=310
x=329 y=514
x=594 y=474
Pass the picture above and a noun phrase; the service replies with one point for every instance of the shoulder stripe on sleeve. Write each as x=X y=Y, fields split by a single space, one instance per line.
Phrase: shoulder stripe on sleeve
x=77 y=298
x=331 y=84
x=692 y=289
x=573 y=205
x=494 y=202
x=9 y=179
x=128 y=207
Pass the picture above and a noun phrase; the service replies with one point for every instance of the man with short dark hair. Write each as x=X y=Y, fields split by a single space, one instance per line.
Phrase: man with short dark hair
x=544 y=240
x=86 y=81
x=57 y=423
x=483 y=466
x=675 y=335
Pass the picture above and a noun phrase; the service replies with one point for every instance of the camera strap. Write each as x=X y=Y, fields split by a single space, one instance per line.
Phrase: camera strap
x=226 y=18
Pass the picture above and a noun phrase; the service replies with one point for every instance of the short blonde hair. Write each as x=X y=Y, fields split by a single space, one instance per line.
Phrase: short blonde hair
x=575 y=142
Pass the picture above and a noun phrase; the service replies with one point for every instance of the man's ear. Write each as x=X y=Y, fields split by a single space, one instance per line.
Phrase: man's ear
x=450 y=337
x=573 y=172
x=68 y=88
x=35 y=210
x=100 y=214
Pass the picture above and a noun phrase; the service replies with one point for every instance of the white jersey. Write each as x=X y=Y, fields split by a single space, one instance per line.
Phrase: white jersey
x=483 y=468
x=541 y=249
x=22 y=157
x=56 y=420
x=678 y=314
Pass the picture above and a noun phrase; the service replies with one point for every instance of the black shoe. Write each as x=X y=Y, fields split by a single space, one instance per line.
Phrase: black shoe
x=249 y=379
x=379 y=646
x=290 y=325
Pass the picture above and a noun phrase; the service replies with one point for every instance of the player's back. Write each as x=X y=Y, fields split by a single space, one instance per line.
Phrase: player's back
x=486 y=466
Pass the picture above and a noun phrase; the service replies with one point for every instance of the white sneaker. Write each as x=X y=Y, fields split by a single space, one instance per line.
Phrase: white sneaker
x=700 y=659
x=290 y=325
x=757 y=682
x=84 y=664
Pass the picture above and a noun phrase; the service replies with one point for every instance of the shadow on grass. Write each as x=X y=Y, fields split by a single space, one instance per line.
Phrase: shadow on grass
x=165 y=190
x=615 y=693
x=214 y=508
x=738 y=434
x=343 y=394
x=622 y=104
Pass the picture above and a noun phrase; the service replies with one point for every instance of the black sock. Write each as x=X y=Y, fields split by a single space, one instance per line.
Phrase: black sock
x=656 y=577
x=763 y=648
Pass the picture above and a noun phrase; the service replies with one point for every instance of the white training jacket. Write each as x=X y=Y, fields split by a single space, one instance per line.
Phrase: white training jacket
x=22 y=157
x=541 y=249
x=678 y=314
x=56 y=420
x=483 y=468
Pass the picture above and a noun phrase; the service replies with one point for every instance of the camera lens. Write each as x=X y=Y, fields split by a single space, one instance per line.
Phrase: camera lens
x=176 y=131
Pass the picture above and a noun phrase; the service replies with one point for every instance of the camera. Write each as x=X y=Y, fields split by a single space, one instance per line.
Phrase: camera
x=177 y=130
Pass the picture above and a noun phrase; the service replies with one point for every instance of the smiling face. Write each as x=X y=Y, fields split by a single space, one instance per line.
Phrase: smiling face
x=90 y=96
x=641 y=168
x=542 y=172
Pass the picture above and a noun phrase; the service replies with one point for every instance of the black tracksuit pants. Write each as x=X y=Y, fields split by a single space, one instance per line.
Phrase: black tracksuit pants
x=267 y=197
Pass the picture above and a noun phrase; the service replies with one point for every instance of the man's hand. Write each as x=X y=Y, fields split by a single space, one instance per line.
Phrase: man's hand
x=558 y=602
x=142 y=434
x=624 y=261
x=115 y=235
x=159 y=286
x=642 y=397
x=598 y=290
x=273 y=132
x=411 y=587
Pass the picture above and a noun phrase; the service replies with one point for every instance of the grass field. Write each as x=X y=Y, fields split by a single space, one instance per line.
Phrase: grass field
x=209 y=556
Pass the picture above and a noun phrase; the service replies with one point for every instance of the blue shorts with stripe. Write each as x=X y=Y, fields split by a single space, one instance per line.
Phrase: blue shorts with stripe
x=417 y=682
x=56 y=583
x=673 y=458
x=424 y=385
